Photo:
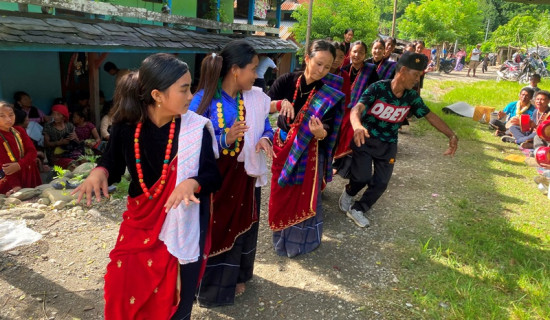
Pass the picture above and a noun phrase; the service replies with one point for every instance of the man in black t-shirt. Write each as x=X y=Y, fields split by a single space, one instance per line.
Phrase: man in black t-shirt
x=376 y=120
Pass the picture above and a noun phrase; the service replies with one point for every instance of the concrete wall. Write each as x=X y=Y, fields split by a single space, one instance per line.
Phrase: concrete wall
x=36 y=73
x=130 y=61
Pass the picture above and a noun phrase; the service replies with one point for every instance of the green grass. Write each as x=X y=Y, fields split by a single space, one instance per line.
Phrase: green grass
x=493 y=261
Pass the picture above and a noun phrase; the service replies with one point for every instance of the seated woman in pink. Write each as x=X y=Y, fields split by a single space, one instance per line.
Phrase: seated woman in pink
x=85 y=130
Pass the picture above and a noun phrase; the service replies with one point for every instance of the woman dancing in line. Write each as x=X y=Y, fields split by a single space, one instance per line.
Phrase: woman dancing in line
x=384 y=67
x=361 y=75
x=239 y=113
x=310 y=115
x=170 y=159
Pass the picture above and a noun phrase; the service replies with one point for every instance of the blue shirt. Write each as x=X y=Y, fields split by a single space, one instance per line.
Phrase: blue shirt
x=230 y=112
x=511 y=109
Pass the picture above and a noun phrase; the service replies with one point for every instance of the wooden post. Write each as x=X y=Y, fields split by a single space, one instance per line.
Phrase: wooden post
x=308 y=32
x=393 y=19
x=93 y=77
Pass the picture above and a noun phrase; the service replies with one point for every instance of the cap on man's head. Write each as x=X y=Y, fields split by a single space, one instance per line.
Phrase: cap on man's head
x=412 y=60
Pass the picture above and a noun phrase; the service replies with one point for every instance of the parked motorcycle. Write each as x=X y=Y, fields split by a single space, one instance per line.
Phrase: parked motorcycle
x=447 y=65
x=509 y=71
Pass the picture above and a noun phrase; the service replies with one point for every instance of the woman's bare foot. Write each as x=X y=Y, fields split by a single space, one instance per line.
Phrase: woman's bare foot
x=12 y=191
x=240 y=289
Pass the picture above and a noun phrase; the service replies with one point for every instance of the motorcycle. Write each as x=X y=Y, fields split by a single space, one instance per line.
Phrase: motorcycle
x=447 y=65
x=509 y=71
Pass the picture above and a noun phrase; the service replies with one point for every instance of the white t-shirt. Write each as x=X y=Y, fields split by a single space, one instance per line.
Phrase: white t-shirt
x=265 y=63
x=476 y=54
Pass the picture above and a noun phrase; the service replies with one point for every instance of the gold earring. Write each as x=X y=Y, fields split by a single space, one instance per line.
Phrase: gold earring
x=158 y=105
x=235 y=77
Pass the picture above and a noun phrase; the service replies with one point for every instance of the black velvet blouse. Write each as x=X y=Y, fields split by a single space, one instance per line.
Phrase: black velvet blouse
x=284 y=88
x=119 y=155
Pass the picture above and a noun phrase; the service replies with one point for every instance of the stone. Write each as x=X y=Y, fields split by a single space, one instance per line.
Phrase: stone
x=14 y=253
x=43 y=187
x=2 y=196
x=94 y=213
x=57 y=195
x=60 y=204
x=42 y=206
x=26 y=193
x=33 y=215
x=84 y=169
x=12 y=201
x=43 y=201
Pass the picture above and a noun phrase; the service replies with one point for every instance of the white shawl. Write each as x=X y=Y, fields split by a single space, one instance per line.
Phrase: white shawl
x=256 y=103
x=181 y=229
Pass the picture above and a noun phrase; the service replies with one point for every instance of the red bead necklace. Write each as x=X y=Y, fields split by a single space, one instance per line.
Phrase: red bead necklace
x=300 y=116
x=167 y=154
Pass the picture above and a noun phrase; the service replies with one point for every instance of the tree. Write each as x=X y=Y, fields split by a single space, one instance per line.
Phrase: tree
x=436 y=21
x=518 y=32
x=332 y=17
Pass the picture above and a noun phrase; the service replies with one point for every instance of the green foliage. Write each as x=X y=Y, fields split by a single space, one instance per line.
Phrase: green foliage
x=331 y=17
x=490 y=259
x=437 y=21
x=89 y=156
x=517 y=32
x=60 y=172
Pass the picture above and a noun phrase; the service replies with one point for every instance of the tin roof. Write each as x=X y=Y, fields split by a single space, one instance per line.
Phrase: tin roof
x=50 y=33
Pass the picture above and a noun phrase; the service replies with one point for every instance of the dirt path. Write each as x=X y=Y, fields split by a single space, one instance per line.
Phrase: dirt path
x=355 y=274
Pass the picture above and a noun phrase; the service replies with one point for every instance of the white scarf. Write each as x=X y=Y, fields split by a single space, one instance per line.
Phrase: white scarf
x=256 y=103
x=181 y=229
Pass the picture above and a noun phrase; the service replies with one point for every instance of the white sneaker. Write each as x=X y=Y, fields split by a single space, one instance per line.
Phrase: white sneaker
x=345 y=201
x=358 y=217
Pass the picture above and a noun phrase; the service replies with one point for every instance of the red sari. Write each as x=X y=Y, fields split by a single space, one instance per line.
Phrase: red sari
x=142 y=277
x=234 y=204
x=301 y=199
x=18 y=147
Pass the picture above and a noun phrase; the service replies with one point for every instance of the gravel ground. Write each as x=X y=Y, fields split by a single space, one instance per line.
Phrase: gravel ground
x=355 y=274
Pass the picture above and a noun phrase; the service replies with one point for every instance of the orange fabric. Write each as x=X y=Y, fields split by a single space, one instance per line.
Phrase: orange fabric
x=481 y=111
x=142 y=277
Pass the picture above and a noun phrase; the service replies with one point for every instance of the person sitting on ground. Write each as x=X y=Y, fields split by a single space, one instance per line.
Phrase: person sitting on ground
x=22 y=120
x=17 y=156
x=23 y=101
x=525 y=138
x=62 y=144
x=82 y=104
x=514 y=108
x=85 y=130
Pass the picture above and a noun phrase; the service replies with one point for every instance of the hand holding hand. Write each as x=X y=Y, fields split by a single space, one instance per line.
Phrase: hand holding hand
x=185 y=191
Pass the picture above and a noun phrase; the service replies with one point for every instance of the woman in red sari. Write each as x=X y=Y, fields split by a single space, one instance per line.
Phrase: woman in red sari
x=146 y=270
x=226 y=96
x=17 y=155
x=310 y=114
